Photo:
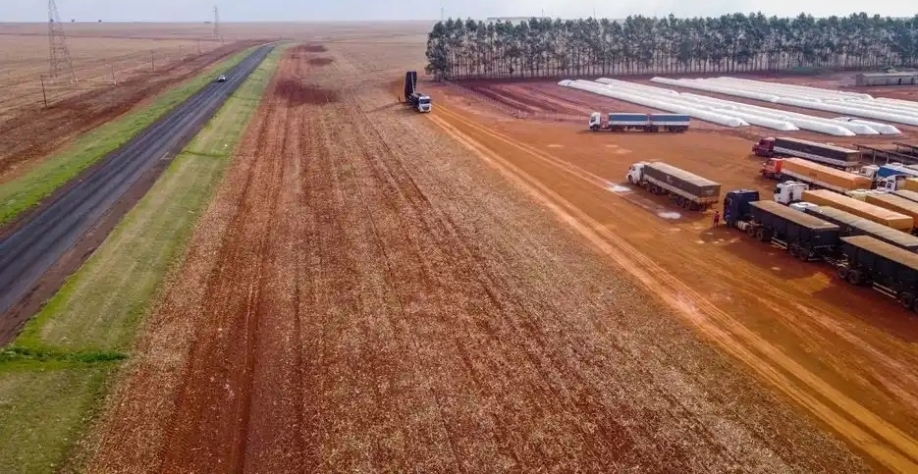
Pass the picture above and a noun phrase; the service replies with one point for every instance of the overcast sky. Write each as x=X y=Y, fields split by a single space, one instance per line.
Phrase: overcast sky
x=339 y=10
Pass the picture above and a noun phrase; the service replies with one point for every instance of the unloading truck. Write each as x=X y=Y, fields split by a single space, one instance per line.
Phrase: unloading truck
x=830 y=155
x=804 y=236
x=887 y=268
x=814 y=174
x=690 y=191
x=894 y=220
x=850 y=225
x=623 y=121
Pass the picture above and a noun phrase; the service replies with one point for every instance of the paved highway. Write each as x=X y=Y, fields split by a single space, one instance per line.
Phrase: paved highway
x=29 y=252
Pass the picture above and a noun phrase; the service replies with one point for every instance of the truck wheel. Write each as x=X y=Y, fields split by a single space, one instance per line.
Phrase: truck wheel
x=680 y=201
x=854 y=277
x=630 y=181
x=804 y=254
x=794 y=250
x=750 y=231
x=907 y=300
x=842 y=272
x=760 y=234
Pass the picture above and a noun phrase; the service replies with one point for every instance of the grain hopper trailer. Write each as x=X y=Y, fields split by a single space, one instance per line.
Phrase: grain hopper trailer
x=624 y=121
x=871 y=212
x=413 y=97
x=690 y=191
x=851 y=225
x=814 y=175
x=805 y=237
x=896 y=204
x=823 y=153
x=889 y=269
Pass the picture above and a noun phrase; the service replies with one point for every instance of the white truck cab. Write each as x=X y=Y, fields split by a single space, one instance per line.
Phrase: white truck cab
x=595 y=121
x=790 y=192
x=424 y=104
x=636 y=172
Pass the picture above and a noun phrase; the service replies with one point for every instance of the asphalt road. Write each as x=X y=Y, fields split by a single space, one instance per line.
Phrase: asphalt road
x=28 y=253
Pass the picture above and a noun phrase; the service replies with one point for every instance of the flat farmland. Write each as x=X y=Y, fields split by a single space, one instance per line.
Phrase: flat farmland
x=374 y=290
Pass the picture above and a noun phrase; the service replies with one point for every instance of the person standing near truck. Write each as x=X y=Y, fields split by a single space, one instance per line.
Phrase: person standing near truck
x=716 y=218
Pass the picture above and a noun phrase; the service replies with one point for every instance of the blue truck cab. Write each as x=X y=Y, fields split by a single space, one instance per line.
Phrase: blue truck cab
x=736 y=205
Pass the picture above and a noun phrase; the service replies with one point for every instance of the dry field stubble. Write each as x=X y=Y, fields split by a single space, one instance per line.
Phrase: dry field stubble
x=365 y=295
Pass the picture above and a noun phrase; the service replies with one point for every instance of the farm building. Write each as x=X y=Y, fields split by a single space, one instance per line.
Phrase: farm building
x=886 y=78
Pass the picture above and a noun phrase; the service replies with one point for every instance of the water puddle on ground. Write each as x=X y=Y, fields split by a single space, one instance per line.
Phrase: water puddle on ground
x=617 y=188
x=669 y=215
x=555 y=145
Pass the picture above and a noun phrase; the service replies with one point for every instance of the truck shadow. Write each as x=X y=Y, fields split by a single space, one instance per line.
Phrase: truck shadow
x=661 y=206
x=762 y=255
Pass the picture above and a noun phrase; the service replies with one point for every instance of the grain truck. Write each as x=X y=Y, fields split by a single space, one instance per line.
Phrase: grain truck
x=416 y=99
x=886 y=268
x=910 y=184
x=896 y=204
x=690 y=191
x=624 y=121
x=814 y=174
x=905 y=193
x=804 y=236
x=895 y=220
x=823 y=153
x=850 y=225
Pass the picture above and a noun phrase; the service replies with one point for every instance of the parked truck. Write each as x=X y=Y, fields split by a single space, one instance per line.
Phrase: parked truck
x=624 y=121
x=894 y=220
x=690 y=191
x=413 y=97
x=910 y=184
x=905 y=193
x=850 y=225
x=814 y=174
x=804 y=236
x=887 y=268
x=823 y=153
x=896 y=204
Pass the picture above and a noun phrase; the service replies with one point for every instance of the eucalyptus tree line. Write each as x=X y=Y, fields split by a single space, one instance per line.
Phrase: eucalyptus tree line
x=640 y=45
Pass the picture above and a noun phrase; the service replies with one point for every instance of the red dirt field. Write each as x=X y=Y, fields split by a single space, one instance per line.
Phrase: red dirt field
x=546 y=100
x=32 y=134
x=365 y=296
x=846 y=355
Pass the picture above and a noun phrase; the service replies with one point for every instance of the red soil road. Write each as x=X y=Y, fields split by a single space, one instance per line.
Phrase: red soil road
x=846 y=355
x=353 y=301
x=34 y=133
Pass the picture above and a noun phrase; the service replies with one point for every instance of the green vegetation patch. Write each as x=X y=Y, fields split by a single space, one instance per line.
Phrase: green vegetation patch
x=27 y=191
x=42 y=412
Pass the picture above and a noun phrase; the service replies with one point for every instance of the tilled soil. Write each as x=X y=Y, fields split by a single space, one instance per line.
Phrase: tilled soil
x=33 y=133
x=366 y=296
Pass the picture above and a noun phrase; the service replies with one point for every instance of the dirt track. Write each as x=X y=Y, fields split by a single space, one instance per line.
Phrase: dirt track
x=363 y=296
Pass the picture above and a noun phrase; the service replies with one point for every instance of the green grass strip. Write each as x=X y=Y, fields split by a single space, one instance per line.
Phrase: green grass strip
x=98 y=307
x=27 y=191
x=55 y=375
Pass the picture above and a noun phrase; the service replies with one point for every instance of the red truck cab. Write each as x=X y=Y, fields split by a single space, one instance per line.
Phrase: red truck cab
x=771 y=168
x=765 y=147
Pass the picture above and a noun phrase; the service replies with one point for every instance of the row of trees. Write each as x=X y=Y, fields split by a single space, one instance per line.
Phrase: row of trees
x=459 y=49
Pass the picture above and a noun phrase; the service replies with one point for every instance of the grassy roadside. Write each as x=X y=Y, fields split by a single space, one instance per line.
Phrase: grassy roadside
x=54 y=375
x=27 y=191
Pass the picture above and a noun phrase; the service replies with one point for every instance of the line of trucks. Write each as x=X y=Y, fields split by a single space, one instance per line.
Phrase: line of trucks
x=652 y=123
x=869 y=241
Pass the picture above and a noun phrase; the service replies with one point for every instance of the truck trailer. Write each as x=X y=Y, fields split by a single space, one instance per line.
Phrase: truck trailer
x=690 y=191
x=823 y=153
x=851 y=225
x=905 y=193
x=895 y=220
x=814 y=174
x=804 y=236
x=896 y=204
x=887 y=268
x=623 y=122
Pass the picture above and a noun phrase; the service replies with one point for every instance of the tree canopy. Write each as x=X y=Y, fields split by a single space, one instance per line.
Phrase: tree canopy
x=459 y=49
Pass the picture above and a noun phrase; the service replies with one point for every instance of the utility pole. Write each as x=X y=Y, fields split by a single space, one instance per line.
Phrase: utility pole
x=113 y=74
x=44 y=96
x=217 y=24
x=58 y=52
x=152 y=60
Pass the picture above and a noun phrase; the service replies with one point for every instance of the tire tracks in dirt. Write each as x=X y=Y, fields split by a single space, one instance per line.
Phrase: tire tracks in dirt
x=732 y=336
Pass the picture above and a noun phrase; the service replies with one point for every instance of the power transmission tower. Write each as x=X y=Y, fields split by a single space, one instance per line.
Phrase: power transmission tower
x=57 y=45
x=217 y=35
